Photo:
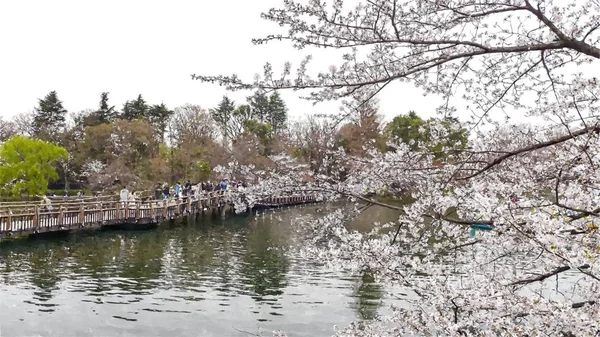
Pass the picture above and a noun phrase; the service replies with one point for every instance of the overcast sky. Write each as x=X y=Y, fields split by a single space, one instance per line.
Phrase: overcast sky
x=82 y=48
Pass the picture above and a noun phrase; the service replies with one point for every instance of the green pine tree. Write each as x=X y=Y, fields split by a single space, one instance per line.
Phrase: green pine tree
x=135 y=109
x=259 y=103
x=105 y=113
x=158 y=116
x=223 y=115
x=49 y=118
x=277 y=112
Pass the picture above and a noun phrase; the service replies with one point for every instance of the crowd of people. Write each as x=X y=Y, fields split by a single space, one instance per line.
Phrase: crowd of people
x=177 y=191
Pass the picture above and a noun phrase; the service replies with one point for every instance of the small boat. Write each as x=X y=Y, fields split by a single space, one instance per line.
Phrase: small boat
x=482 y=227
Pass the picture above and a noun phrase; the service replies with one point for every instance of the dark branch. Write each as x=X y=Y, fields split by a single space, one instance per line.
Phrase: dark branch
x=534 y=147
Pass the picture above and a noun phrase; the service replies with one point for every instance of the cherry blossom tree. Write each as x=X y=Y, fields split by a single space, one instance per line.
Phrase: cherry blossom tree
x=501 y=238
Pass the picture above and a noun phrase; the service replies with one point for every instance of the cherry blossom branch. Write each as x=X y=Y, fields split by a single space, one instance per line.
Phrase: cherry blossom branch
x=541 y=277
x=534 y=147
x=552 y=273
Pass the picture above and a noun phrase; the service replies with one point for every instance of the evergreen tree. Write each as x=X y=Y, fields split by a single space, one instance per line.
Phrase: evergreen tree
x=49 y=118
x=259 y=103
x=223 y=115
x=135 y=109
x=158 y=116
x=106 y=113
x=277 y=112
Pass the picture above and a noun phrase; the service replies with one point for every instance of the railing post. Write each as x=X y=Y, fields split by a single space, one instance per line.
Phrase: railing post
x=165 y=208
x=9 y=220
x=81 y=214
x=137 y=210
x=118 y=215
x=60 y=215
x=36 y=217
x=177 y=207
x=101 y=218
x=152 y=210
x=189 y=205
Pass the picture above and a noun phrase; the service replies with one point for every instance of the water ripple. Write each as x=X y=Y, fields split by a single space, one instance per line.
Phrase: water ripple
x=233 y=273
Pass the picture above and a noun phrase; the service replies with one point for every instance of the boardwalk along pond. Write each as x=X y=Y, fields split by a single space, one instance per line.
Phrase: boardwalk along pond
x=204 y=278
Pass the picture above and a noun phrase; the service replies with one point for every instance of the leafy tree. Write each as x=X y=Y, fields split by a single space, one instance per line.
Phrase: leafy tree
x=106 y=113
x=260 y=105
x=223 y=115
x=231 y=119
x=455 y=140
x=49 y=117
x=26 y=165
x=277 y=112
x=135 y=109
x=158 y=115
x=262 y=131
x=417 y=133
x=268 y=109
x=406 y=129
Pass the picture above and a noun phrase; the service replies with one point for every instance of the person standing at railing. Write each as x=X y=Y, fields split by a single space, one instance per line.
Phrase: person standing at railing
x=124 y=194
x=177 y=190
x=188 y=187
x=166 y=191
x=46 y=204
x=223 y=185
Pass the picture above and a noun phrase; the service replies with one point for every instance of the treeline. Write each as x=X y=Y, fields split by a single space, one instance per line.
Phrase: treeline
x=142 y=145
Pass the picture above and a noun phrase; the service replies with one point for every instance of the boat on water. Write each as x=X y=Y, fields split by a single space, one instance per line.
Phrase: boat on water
x=479 y=227
x=482 y=227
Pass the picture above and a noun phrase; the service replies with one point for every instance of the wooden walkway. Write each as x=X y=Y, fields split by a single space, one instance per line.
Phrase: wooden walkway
x=18 y=219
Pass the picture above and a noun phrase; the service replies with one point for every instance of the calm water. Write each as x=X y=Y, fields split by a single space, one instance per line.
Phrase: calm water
x=209 y=278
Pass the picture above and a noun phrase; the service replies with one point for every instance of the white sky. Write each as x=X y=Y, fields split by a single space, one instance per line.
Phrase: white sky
x=130 y=47
x=82 y=48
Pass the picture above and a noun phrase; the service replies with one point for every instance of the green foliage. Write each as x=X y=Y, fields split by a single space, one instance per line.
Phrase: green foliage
x=261 y=108
x=298 y=152
x=406 y=129
x=259 y=103
x=106 y=113
x=263 y=131
x=86 y=118
x=416 y=132
x=224 y=117
x=158 y=115
x=26 y=165
x=277 y=112
x=268 y=109
x=223 y=111
x=135 y=109
x=201 y=171
x=49 y=117
x=456 y=140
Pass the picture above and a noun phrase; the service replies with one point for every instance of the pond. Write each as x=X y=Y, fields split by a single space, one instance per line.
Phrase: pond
x=232 y=277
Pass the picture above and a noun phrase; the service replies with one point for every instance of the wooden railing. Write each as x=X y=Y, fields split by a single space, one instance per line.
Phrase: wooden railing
x=27 y=218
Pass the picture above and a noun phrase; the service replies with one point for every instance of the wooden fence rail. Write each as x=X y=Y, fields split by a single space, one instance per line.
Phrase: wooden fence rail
x=33 y=218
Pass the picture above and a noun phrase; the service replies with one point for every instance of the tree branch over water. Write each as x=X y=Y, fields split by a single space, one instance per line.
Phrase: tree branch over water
x=495 y=61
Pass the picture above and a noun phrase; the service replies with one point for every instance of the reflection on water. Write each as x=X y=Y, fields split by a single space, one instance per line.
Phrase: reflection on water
x=204 y=278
